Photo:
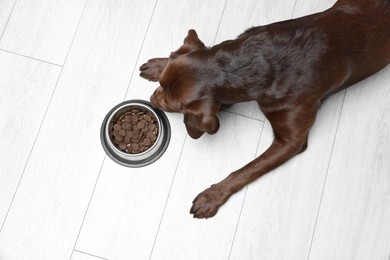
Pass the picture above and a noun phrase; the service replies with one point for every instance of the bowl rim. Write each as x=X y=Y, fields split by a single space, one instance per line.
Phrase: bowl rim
x=163 y=122
x=135 y=155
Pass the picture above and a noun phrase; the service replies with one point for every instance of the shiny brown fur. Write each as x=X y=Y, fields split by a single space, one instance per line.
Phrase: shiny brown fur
x=287 y=67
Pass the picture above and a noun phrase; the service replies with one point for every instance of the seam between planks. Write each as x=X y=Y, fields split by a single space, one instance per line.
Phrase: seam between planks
x=9 y=18
x=166 y=202
x=257 y=148
x=220 y=21
x=43 y=118
x=295 y=6
x=326 y=175
x=238 y=114
x=243 y=201
x=31 y=58
x=31 y=151
x=140 y=50
x=105 y=156
x=95 y=256
x=86 y=211
x=182 y=148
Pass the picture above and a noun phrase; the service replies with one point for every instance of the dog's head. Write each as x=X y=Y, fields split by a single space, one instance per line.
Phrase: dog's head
x=182 y=89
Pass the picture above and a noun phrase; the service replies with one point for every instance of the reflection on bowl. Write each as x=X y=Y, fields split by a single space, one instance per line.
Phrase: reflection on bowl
x=135 y=134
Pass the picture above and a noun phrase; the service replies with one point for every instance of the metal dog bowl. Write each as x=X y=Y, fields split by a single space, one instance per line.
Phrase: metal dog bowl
x=138 y=159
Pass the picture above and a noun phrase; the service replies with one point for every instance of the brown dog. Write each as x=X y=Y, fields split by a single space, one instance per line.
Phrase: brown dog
x=289 y=68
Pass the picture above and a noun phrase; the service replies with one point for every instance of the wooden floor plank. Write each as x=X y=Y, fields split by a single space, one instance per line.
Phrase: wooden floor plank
x=304 y=8
x=167 y=32
x=242 y=15
x=82 y=256
x=125 y=208
x=280 y=209
x=205 y=162
x=354 y=219
x=5 y=14
x=43 y=29
x=26 y=88
x=128 y=204
x=49 y=207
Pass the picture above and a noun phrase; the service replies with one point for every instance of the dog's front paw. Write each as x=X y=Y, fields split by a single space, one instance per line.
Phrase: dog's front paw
x=153 y=68
x=207 y=203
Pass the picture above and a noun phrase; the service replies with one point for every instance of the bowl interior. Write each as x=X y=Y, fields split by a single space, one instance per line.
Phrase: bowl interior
x=140 y=158
x=134 y=129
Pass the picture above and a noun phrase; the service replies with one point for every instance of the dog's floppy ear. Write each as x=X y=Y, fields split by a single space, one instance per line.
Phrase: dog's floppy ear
x=201 y=118
x=191 y=43
x=192 y=40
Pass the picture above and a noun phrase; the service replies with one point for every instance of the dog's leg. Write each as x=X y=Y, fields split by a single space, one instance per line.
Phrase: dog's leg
x=291 y=130
x=153 y=68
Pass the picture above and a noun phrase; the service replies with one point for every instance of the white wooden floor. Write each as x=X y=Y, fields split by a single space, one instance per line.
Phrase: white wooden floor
x=65 y=63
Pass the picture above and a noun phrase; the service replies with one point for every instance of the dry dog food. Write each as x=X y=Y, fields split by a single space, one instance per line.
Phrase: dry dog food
x=135 y=130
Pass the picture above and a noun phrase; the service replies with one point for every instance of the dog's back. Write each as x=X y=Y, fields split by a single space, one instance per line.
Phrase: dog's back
x=353 y=36
x=361 y=31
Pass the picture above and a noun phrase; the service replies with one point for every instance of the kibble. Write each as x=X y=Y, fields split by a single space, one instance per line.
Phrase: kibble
x=134 y=131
